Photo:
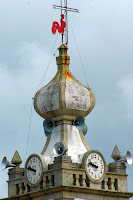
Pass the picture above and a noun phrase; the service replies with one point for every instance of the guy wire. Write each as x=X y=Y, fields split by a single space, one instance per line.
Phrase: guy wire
x=28 y=133
x=49 y=64
x=79 y=53
x=50 y=60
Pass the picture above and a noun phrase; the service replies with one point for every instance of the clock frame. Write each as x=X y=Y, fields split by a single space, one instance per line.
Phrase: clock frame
x=34 y=168
x=95 y=166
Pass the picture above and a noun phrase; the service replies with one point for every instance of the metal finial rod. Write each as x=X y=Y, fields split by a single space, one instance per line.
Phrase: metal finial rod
x=61 y=14
x=66 y=29
x=65 y=9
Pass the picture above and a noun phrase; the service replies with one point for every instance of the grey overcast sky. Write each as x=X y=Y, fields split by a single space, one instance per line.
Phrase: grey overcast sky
x=103 y=31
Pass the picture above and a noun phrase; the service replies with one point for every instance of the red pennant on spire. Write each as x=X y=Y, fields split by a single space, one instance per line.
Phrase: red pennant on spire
x=56 y=26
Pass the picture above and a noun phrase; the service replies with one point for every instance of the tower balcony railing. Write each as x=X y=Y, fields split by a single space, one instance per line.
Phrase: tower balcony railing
x=68 y=177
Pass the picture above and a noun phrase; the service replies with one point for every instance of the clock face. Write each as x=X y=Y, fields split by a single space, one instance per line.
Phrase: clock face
x=95 y=165
x=34 y=169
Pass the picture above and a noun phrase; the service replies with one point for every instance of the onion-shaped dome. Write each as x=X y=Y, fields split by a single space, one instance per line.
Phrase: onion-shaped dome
x=64 y=95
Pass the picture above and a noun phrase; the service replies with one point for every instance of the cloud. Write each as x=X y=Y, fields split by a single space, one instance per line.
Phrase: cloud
x=126 y=95
x=106 y=46
x=17 y=88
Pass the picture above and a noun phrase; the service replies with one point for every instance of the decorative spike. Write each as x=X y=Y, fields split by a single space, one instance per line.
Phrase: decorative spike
x=116 y=154
x=16 y=160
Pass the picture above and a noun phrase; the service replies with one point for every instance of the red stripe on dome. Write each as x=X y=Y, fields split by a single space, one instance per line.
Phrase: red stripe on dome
x=68 y=75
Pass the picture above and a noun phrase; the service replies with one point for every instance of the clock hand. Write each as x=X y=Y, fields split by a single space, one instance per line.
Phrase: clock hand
x=31 y=169
x=92 y=164
x=95 y=166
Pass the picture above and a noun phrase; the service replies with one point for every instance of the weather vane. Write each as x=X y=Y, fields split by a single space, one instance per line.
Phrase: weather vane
x=63 y=26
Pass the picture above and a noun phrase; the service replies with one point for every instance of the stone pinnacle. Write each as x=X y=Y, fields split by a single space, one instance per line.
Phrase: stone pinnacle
x=16 y=160
x=116 y=154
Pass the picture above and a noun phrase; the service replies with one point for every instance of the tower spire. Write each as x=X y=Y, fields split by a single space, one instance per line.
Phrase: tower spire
x=63 y=27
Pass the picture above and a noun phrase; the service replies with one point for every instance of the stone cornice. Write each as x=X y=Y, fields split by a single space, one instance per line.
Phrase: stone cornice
x=64 y=190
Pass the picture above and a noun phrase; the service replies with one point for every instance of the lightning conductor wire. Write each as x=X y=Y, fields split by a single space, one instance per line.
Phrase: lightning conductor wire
x=42 y=79
x=79 y=53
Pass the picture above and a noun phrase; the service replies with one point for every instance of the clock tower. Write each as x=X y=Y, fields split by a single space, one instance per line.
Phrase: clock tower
x=67 y=168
